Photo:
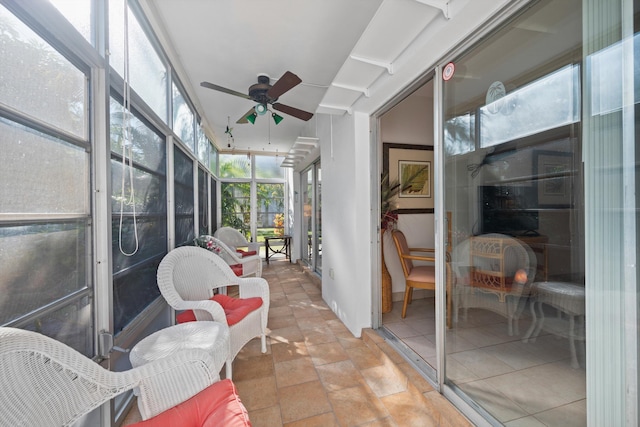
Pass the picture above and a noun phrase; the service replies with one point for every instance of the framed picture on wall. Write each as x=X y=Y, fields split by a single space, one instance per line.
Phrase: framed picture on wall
x=414 y=178
x=412 y=166
x=553 y=170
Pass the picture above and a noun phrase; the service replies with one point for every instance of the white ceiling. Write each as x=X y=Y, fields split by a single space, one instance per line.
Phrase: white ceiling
x=339 y=48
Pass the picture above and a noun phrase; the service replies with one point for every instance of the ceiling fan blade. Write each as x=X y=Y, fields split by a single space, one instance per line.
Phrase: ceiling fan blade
x=300 y=114
x=224 y=89
x=243 y=119
x=284 y=83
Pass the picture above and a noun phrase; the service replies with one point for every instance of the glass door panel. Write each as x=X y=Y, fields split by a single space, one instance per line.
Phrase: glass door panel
x=514 y=192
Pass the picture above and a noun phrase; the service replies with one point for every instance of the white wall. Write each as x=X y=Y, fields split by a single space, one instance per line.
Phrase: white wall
x=347 y=207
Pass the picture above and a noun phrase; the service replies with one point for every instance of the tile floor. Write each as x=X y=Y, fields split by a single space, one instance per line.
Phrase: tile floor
x=521 y=384
x=316 y=373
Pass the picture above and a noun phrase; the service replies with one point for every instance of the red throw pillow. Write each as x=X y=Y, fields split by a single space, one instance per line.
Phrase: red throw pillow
x=216 y=406
x=235 y=309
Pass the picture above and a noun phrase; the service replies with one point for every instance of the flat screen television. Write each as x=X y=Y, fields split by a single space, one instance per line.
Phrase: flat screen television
x=508 y=209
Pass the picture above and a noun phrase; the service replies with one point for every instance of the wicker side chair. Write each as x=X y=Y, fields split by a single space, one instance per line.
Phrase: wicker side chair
x=190 y=277
x=251 y=265
x=44 y=382
x=499 y=276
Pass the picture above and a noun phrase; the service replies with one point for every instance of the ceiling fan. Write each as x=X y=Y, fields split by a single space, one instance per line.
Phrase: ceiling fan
x=264 y=93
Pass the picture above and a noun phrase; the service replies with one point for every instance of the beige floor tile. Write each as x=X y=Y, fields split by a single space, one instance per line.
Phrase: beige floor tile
x=384 y=381
x=323 y=420
x=330 y=352
x=356 y=405
x=288 y=351
x=340 y=375
x=251 y=368
x=267 y=417
x=286 y=335
x=295 y=371
x=258 y=393
x=408 y=409
x=303 y=401
x=363 y=357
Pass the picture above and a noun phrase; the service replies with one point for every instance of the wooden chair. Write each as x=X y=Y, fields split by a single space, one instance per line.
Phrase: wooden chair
x=422 y=276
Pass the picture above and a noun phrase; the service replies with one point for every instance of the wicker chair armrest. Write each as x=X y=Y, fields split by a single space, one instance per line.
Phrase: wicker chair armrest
x=254 y=287
x=166 y=382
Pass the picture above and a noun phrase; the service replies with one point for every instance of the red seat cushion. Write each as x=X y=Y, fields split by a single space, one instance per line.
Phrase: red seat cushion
x=235 y=309
x=216 y=406
x=237 y=269
x=246 y=253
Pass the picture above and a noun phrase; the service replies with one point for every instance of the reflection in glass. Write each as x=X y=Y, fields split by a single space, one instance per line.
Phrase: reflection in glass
x=514 y=192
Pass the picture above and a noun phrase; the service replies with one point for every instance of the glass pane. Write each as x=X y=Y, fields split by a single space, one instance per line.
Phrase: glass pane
x=214 y=204
x=213 y=158
x=148 y=148
x=307 y=212
x=149 y=191
x=39 y=264
x=151 y=240
x=78 y=13
x=268 y=167
x=203 y=147
x=318 y=218
x=133 y=292
x=236 y=203
x=41 y=174
x=203 y=202
x=148 y=75
x=235 y=166
x=514 y=191
x=270 y=220
x=30 y=66
x=72 y=325
x=184 y=205
x=182 y=119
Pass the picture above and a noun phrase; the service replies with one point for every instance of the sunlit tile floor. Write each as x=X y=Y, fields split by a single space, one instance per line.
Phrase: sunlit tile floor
x=316 y=373
x=519 y=383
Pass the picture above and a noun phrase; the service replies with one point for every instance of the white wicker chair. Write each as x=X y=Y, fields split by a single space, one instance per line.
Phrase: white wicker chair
x=491 y=284
x=233 y=238
x=251 y=265
x=187 y=277
x=44 y=382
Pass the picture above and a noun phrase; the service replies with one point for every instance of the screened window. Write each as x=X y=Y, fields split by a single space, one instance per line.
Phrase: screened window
x=235 y=166
x=139 y=220
x=236 y=206
x=203 y=199
x=203 y=147
x=182 y=119
x=213 y=158
x=184 y=201
x=78 y=13
x=268 y=167
x=31 y=66
x=147 y=73
x=45 y=214
x=270 y=202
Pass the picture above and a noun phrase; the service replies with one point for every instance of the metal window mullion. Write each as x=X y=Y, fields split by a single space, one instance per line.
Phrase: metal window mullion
x=50 y=308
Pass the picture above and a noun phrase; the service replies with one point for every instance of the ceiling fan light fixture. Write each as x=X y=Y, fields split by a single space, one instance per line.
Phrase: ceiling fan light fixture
x=252 y=118
x=276 y=118
x=261 y=109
